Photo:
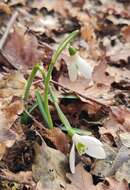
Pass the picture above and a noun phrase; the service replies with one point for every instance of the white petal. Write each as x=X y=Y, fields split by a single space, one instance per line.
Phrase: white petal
x=76 y=138
x=96 y=152
x=84 y=68
x=72 y=159
x=72 y=71
x=94 y=146
x=90 y=140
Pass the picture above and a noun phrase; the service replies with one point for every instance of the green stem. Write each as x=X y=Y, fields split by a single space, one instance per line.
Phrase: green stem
x=55 y=56
x=62 y=117
x=47 y=113
x=29 y=81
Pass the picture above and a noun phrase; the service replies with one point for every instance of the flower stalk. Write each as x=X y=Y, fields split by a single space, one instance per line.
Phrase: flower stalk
x=55 y=56
x=29 y=81
x=85 y=145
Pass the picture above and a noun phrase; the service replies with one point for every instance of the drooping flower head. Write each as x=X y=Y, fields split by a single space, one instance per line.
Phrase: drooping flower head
x=78 y=66
x=85 y=144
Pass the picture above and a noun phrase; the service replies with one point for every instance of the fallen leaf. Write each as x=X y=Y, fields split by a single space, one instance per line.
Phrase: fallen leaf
x=58 y=138
x=78 y=2
x=5 y=8
x=122 y=114
x=11 y=84
x=126 y=33
x=123 y=172
x=55 y=136
x=83 y=180
x=21 y=177
x=80 y=180
x=122 y=156
x=111 y=128
x=49 y=168
x=122 y=50
x=125 y=139
x=101 y=167
x=116 y=185
x=56 y=5
x=100 y=74
x=22 y=50
x=8 y=116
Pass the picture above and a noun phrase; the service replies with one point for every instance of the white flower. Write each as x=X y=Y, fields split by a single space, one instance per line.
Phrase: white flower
x=79 y=66
x=85 y=144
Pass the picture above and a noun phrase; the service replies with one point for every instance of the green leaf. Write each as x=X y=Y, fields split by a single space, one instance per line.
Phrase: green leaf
x=29 y=81
x=40 y=103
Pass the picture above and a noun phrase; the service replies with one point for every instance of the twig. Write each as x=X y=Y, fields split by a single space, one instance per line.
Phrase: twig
x=10 y=24
x=40 y=126
x=73 y=91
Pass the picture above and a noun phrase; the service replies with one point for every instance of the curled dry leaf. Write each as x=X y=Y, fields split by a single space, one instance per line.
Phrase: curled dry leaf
x=55 y=136
x=58 y=138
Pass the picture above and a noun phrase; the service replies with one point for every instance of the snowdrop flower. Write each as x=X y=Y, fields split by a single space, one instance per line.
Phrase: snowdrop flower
x=79 y=66
x=85 y=144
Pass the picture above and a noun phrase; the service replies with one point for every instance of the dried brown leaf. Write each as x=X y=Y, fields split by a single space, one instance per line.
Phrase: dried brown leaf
x=21 y=177
x=83 y=180
x=22 y=50
x=113 y=184
x=80 y=180
x=124 y=172
x=49 y=168
x=5 y=8
x=58 y=138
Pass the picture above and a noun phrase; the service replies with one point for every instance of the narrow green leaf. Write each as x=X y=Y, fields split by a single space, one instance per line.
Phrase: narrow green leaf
x=29 y=81
x=62 y=117
x=41 y=107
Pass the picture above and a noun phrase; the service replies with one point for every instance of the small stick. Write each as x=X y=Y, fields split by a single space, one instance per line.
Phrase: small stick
x=79 y=94
x=10 y=24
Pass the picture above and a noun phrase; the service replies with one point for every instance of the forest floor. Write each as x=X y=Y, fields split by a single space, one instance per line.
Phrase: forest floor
x=34 y=157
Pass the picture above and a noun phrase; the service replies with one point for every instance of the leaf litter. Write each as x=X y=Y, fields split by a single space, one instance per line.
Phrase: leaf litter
x=34 y=157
